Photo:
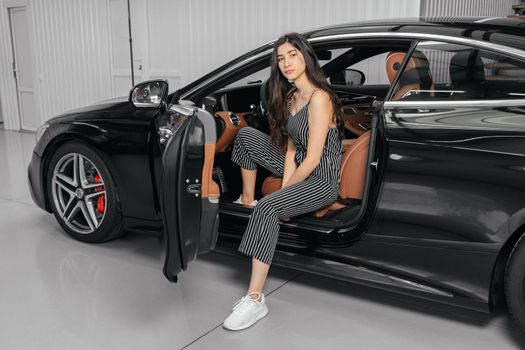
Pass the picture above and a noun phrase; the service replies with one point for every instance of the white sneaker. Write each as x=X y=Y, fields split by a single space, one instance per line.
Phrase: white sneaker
x=239 y=201
x=246 y=311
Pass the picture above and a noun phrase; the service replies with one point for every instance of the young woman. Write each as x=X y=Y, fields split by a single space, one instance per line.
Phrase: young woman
x=304 y=149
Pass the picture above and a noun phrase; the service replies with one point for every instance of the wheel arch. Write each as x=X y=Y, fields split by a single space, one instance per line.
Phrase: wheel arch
x=497 y=292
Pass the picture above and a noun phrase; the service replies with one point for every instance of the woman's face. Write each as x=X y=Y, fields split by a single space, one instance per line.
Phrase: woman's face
x=290 y=61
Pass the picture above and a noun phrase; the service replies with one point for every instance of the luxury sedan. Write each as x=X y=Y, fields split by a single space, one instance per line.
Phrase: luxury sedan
x=432 y=192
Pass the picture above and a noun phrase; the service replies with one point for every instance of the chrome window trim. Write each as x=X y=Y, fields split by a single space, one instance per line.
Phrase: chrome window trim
x=454 y=104
x=375 y=35
x=419 y=92
x=421 y=36
x=188 y=111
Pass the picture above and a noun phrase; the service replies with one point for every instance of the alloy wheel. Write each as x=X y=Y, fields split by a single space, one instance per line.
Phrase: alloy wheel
x=79 y=193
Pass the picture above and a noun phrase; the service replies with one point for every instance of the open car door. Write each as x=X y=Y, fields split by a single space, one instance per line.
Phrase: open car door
x=189 y=198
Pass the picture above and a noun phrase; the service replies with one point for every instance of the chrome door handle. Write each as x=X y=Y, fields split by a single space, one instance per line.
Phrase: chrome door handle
x=194 y=189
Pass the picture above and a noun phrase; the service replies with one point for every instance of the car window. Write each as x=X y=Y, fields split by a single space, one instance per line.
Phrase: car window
x=254 y=78
x=439 y=70
x=362 y=67
x=373 y=69
x=343 y=77
x=264 y=73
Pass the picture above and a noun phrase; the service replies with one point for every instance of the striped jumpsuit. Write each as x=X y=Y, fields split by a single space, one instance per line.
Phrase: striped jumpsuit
x=320 y=189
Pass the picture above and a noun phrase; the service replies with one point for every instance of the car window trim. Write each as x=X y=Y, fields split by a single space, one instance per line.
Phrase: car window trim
x=455 y=104
x=507 y=51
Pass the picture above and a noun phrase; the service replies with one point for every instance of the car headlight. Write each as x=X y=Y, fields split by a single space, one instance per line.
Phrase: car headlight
x=41 y=130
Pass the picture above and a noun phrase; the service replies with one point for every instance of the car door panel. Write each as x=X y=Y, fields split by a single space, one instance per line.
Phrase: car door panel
x=431 y=198
x=447 y=196
x=189 y=200
x=437 y=159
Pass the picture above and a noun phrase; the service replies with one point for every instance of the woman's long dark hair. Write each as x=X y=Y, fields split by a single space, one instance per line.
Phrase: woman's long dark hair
x=279 y=89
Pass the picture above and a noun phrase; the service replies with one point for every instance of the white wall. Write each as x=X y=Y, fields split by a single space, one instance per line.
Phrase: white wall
x=1 y=117
x=493 y=8
x=8 y=98
x=188 y=38
x=81 y=49
x=70 y=54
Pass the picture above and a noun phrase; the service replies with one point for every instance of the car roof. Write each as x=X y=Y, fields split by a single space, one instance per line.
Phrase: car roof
x=508 y=31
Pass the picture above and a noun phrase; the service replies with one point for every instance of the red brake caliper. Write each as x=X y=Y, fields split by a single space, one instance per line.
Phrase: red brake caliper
x=101 y=201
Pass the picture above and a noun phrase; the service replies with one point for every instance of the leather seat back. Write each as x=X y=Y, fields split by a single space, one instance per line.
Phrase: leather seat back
x=467 y=73
x=354 y=167
x=415 y=77
x=353 y=170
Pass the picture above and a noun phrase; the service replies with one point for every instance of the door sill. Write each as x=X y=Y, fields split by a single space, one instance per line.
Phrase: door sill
x=238 y=211
x=345 y=218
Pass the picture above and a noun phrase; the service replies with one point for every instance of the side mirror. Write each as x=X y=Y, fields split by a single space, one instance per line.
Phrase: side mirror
x=348 y=77
x=149 y=94
x=354 y=77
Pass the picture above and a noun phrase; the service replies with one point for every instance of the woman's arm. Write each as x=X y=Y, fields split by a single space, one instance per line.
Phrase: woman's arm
x=289 y=162
x=319 y=120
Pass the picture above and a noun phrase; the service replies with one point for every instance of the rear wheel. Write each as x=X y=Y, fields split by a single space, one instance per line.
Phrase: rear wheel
x=515 y=283
x=83 y=194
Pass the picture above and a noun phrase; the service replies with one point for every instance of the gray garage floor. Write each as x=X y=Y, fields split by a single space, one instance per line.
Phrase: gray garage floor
x=57 y=293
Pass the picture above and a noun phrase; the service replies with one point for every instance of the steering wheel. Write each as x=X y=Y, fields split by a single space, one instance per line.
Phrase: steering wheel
x=262 y=108
x=258 y=118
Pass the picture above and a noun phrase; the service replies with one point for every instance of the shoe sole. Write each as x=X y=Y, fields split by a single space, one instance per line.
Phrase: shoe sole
x=252 y=204
x=250 y=324
x=245 y=205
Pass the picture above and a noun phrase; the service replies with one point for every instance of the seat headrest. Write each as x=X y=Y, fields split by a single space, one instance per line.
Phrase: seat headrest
x=466 y=67
x=417 y=70
x=393 y=63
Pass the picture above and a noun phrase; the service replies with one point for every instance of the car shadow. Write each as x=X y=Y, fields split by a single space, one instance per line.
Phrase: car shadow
x=499 y=317
x=71 y=256
x=240 y=269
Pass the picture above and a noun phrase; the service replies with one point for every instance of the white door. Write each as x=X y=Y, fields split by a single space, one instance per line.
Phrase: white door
x=119 y=30
x=23 y=68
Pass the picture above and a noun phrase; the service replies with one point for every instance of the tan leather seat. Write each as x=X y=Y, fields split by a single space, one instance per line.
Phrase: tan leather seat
x=353 y=173
x=415 y=77
x=273 y=183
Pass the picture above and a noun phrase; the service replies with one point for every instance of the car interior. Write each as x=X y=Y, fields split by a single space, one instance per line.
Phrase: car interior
x=361 y=73
x=456 y=73
x=238 y=105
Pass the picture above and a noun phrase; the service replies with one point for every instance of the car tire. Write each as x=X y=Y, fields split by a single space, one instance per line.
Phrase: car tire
x=83 y=195
x=515 y=283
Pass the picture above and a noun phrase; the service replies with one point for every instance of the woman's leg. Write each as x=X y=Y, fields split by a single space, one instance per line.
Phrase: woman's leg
x=261 y=235
x=248 y=185
x=258 y=278
x=254 y=147
x=252 y=307
x=260 y=239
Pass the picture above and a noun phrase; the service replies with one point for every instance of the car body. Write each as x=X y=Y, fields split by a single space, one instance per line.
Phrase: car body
x=441 y=213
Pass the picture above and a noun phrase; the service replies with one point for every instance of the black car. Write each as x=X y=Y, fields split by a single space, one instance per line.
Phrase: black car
x=432 y=199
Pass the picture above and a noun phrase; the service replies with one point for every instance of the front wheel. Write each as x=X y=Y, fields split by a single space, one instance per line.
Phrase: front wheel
x=515 y=283
x=83 y=195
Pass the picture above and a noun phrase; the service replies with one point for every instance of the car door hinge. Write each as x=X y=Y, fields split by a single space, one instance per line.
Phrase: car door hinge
x=374 y=164
x=165 y=133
